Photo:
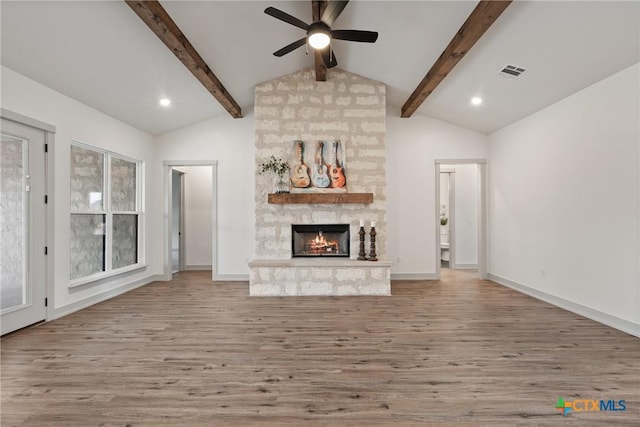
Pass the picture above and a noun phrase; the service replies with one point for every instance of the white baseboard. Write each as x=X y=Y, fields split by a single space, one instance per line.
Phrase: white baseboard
x=590 y=313
x=465 y=267
x=195 y=267
x=102 y=296
x=414 y=276
x=231 y=278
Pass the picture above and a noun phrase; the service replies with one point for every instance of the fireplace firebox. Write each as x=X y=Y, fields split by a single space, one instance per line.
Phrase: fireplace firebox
x=320 y=240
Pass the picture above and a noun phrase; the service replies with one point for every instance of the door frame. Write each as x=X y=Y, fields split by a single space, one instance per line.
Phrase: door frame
x=49 y=208
x=483 y=249
x=168 y=165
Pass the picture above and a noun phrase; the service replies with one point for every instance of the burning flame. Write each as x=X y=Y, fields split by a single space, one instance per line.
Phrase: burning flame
x=320 y=240
x=320 y=244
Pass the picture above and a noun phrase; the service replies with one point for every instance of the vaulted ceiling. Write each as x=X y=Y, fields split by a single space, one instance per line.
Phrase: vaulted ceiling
x=102 y=54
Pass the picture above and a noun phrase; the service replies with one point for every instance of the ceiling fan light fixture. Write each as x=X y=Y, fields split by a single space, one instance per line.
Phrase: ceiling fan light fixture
x=319 y=35
x=319 y=40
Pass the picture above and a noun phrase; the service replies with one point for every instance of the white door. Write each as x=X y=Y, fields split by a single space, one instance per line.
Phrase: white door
x=22 y=226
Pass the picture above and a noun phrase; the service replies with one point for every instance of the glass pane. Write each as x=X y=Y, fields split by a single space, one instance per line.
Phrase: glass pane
x=13 y=224
x=125 y=240
x=87 y=172
x=123 y=185
x=87 y=244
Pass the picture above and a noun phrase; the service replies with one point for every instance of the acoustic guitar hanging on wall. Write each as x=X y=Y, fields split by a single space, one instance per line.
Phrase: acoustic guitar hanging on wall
x=338 y=179
x=320 y=175
x=300 y=172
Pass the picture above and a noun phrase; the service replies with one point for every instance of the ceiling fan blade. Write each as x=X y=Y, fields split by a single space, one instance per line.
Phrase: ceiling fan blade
x=355 y=35
x=332 y=11
x=329 y=58
x=278 y=14
x=290 y=47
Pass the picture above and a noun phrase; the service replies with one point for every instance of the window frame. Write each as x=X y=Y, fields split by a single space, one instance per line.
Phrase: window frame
x=108 y=213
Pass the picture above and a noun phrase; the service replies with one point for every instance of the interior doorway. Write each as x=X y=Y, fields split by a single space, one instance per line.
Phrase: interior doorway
x=191 y=217
x=447 y=214
x=461 y=216
x=177 y=222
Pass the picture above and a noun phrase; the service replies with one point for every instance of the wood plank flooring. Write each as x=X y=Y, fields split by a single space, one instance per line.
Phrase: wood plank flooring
x=190 y=352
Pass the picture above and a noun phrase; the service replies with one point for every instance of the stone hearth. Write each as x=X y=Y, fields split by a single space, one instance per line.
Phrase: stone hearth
x=303 y=277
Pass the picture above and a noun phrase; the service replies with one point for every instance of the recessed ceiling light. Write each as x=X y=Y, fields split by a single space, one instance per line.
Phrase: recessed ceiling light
x=165 y=102
x=476 y=100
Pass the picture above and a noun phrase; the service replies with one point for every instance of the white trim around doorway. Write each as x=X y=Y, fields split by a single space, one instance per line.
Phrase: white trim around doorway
x=482 y=212
x=168 y=165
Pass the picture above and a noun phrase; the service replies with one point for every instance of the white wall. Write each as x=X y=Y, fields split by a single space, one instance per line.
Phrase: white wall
x=76 y=121
x=467 y=187
x=412 y=146
x=197 y=212
x=230 y=142
x=564 y=202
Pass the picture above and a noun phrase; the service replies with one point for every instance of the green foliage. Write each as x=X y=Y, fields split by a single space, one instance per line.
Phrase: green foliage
x=277 y=166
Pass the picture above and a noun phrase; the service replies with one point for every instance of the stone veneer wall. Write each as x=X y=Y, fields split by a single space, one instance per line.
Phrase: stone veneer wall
x=346 y=107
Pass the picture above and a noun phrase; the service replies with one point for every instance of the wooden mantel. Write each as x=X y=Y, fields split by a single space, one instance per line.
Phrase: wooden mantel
x=314 y=198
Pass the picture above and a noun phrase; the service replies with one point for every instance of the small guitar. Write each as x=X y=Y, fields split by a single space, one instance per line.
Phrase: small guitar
x=300 y=172
x=336 y=172
x=320 y=177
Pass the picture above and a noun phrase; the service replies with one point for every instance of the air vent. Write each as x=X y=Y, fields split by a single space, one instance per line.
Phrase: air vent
x=511 y=71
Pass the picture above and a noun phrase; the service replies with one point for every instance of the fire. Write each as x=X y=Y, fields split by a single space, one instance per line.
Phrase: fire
x=319 y=244
x=320 y=240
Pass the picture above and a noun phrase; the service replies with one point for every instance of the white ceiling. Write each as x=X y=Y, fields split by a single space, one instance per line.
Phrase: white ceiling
x=103 y=55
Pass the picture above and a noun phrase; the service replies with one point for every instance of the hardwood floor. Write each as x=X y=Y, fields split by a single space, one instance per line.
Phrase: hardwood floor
x=460 y=351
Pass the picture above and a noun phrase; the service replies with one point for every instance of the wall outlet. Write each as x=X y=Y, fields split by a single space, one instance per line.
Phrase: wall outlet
x=543 y=273
x=398 y=259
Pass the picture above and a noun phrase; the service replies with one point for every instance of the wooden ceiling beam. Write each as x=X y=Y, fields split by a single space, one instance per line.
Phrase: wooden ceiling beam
x=482 y=17
x=318 y=7
x=159 y=21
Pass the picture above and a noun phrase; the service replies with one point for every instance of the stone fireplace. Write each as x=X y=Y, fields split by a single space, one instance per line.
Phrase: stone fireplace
x=346 y=108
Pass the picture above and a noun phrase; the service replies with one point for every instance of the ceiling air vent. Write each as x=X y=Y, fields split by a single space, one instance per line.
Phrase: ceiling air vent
x=511 y=71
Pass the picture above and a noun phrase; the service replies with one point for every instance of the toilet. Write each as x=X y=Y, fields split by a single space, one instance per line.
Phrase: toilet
x=444 y=247
x=444 y=252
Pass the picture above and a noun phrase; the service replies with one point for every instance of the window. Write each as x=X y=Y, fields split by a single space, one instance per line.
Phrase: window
x=106 y=213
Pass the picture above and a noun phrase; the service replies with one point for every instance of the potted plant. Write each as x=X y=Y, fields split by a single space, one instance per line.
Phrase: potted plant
x=279 y=167
x=443 y=215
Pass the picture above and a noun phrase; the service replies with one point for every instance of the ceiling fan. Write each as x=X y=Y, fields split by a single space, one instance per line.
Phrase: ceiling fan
x=320 y=34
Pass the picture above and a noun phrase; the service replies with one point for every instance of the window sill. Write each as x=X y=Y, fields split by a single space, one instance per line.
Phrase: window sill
x=82 y=281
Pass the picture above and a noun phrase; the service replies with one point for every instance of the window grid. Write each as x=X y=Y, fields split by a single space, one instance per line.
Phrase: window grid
x=109 y=231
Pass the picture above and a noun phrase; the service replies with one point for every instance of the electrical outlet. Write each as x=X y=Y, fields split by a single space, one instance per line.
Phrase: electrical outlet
x=398 y=259
x=543 y=273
